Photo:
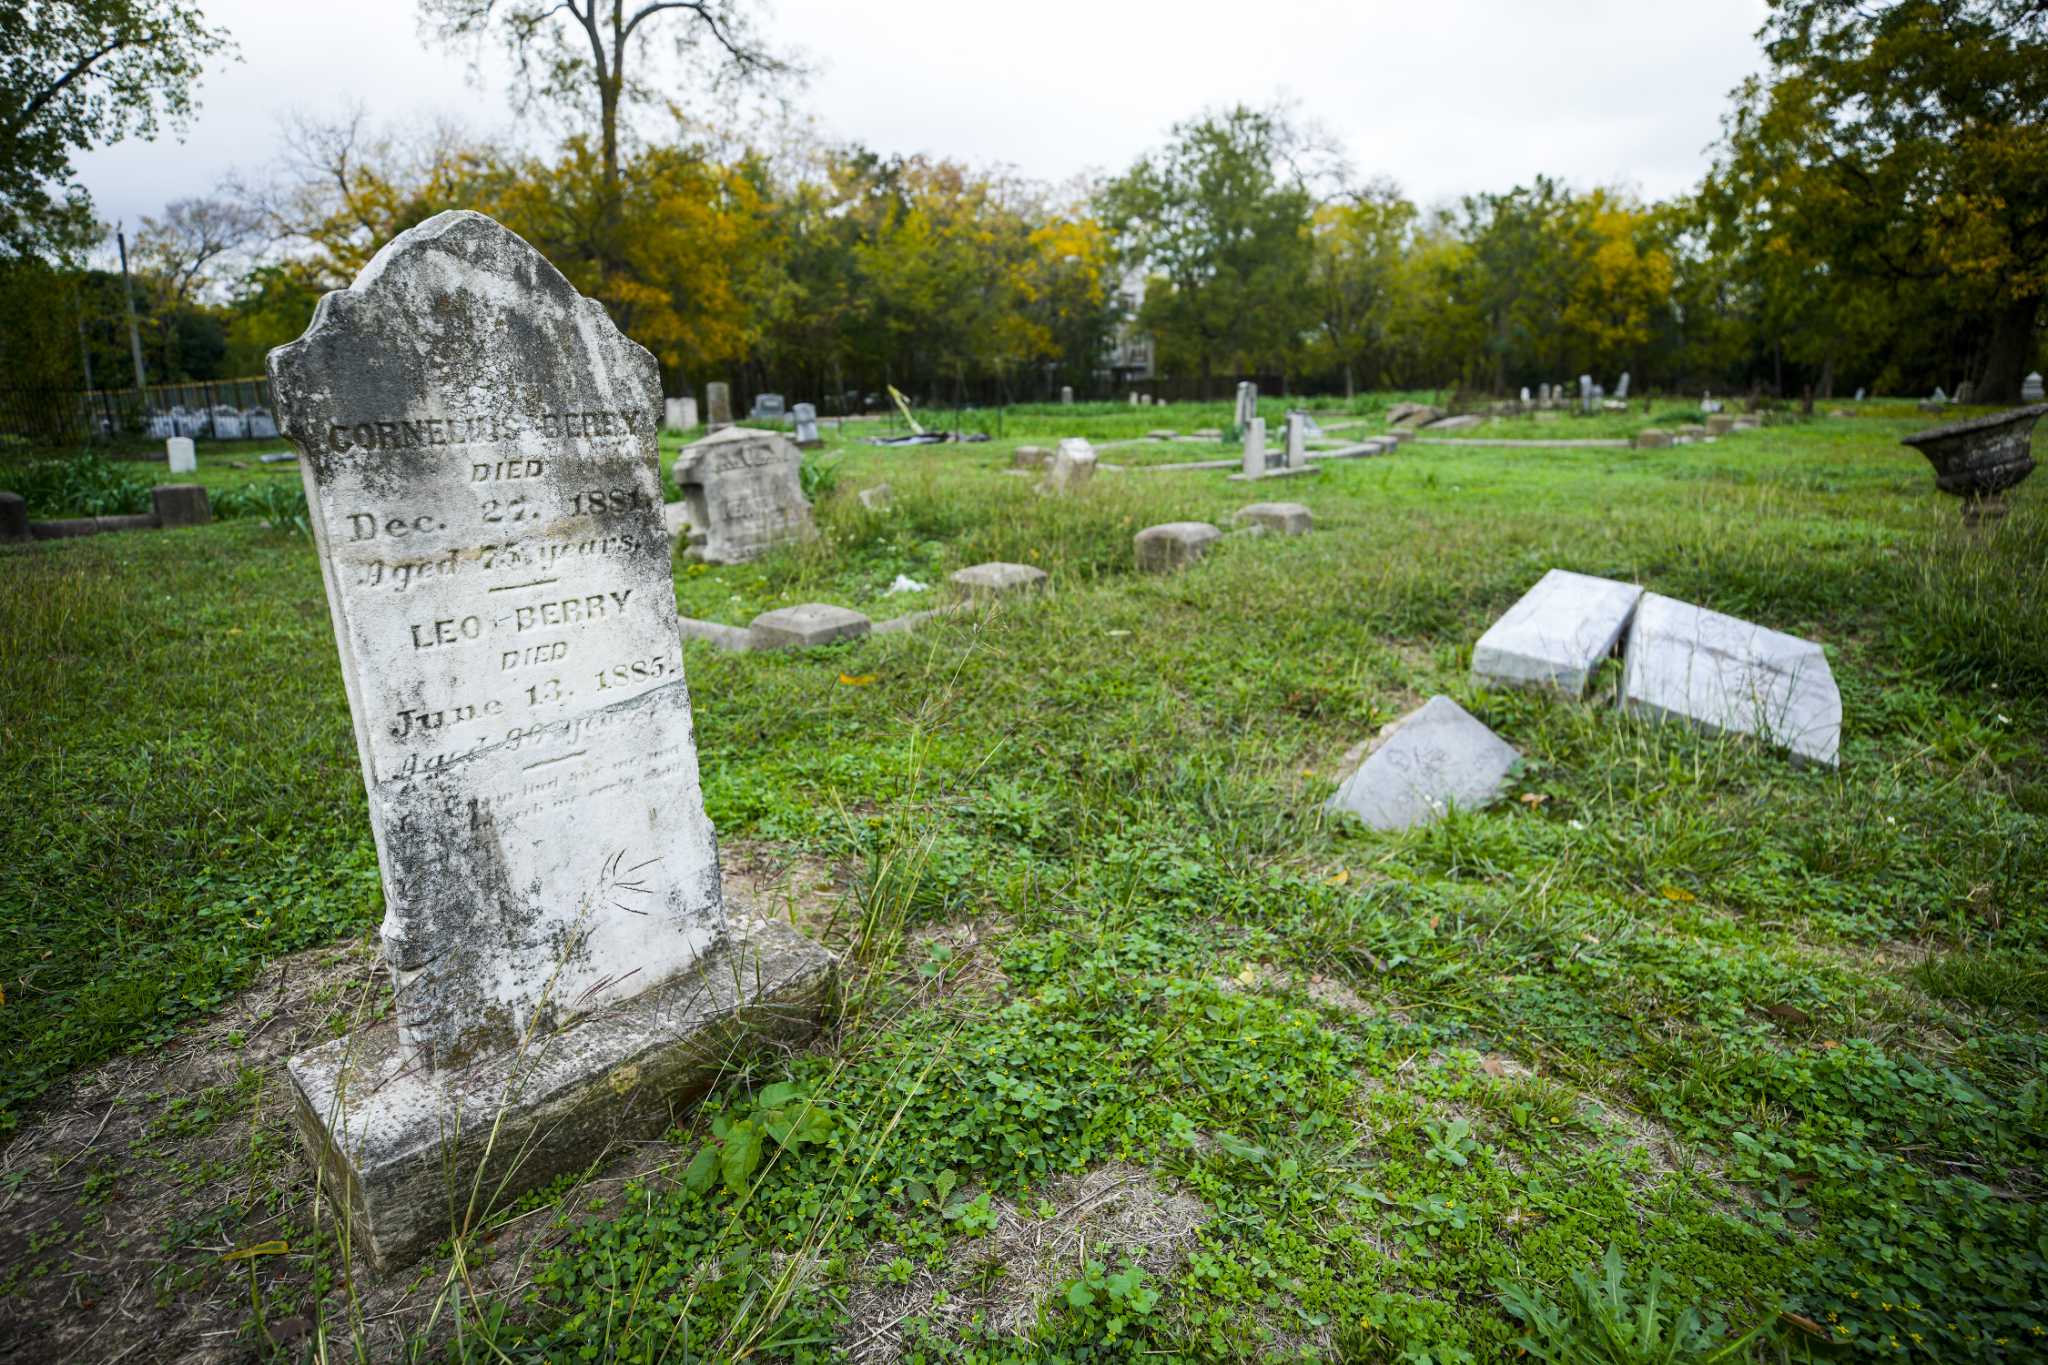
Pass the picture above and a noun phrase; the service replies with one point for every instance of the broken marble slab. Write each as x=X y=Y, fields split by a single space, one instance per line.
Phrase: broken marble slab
x=1435 y=757
x=1730 y=676
x=1557 y=634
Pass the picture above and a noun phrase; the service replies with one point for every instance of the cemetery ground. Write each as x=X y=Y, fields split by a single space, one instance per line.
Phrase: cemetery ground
x=1139 y=1052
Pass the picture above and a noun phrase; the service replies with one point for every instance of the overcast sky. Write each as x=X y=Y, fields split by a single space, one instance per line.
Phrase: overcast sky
x=1445 y=96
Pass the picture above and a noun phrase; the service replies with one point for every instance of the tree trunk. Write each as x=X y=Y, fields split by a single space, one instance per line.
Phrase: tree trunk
x=1827 y=376
x=2013 y=346
x=1350 y=383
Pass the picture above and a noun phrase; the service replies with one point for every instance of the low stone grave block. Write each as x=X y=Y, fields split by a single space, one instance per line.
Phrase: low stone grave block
x=1071 y=468
x=1029 y=457
x=996 y=578
x=1557 y=634
x=478 y=446
x=1175 y=545
x=1652 y=439
x=1720 y=424
x=1730 y=676
x=813 y=623
x=180 y=504
x=1434 y=757
x=1283 y=518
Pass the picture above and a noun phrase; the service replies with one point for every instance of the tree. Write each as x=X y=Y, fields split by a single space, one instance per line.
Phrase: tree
x=1358 y=246
x=85 y=73
x=590 y=55
x=194 y=236
x=1220 y=221
x=1907 y=143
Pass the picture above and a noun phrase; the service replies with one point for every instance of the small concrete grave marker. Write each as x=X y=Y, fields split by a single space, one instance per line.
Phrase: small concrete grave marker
x=1255 y=448
x=679 y=414
x=717 y=405
x=1730 y=676
x=768 y=407
x=813 y=623
x=744 y=493
x=1436 y=756
x=183 y=460
x=1066 y=393
x=1278 y=518
x=478 y=448
x=1174 y=545
x=1071 y=467
x=2030 y=388
x=1525 y=395
x=1558 y=632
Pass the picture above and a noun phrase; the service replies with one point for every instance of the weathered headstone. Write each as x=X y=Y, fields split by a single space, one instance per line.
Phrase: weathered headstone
x=744 y=492
x=1066 y=393
x=1653 y=439
x=1939 y=396
x=1255 y=448
x=1174 y=545
x=14 y=519
x=679 y=414
x=1525 y=395
x=1585 y=393
x=181 y=456
x=1859 y=395
x=225 y=422
x=717 y=405
x=768 y=407
x=259 y=424
x=180 y=504
x=1029 y=457
x=1720 y=424
x=1729 y=676
x=1621 y=388
x=1134 y=398
x=1963 y=391
x=1247 y=403
x=478 y=448
x=1436 y=756
x=1297 y=441
x=1558 y=632
x=1070 y=468
x=804 y=417
x=2031 y=390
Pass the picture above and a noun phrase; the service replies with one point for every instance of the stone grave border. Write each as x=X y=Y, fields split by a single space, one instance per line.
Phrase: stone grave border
x=173 y=506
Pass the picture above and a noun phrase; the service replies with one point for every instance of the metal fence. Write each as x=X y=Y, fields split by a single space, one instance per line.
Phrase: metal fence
x=217 y=410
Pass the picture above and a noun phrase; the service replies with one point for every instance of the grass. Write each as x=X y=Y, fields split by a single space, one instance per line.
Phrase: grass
x=1772 y=1034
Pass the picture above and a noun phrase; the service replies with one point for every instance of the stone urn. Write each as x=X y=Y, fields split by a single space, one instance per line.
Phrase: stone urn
x=1979 y=459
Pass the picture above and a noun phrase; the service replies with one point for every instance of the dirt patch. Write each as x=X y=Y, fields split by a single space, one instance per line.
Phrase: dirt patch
x=1109 y=1214
x=794 y=888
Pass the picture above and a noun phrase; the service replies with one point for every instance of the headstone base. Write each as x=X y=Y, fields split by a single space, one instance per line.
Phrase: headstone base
x=411 y=1158
x=1279 y=473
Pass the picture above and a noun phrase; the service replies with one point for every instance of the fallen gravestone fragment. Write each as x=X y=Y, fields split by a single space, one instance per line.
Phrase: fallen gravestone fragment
x=1729 y=676
x=996 y=578
x=479 y=458
x=1411 y=415
x=1431 y=759
x=1462 y=422
x=1280 y=518
x=1174 y=545
x=745 y=494
x=813 y=623
x=1557 y=634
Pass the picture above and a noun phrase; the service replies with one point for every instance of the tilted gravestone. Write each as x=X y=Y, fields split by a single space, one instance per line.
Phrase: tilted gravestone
x=1557 y=634
x=1730 y=676
x=745 y=494
x=1621 y=388
x=477 y=443
x=1071 y=468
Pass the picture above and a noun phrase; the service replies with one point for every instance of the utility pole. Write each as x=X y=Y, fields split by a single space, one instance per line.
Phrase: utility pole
x=134 y=335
